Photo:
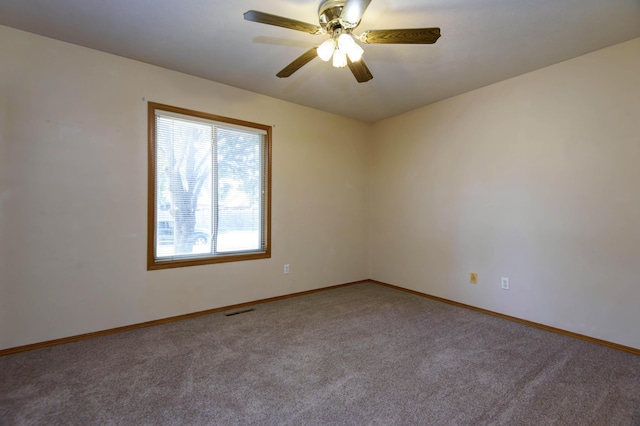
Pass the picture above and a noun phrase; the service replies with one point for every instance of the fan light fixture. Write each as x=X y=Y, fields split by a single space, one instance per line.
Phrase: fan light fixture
x=339 y=59
x=346 y=46
x=325 y=50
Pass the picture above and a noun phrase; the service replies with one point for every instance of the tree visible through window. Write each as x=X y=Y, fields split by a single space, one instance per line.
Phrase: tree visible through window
x=209 y=188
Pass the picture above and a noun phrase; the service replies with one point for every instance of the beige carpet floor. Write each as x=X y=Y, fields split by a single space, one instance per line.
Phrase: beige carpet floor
x=361 y=355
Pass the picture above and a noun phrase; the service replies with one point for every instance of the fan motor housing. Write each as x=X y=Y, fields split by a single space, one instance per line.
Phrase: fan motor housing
x=329 y=13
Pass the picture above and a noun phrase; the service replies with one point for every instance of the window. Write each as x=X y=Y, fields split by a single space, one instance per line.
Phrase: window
x=209 y=189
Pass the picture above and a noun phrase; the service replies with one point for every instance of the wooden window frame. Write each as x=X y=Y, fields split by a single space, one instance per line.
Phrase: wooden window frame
x=152 y=262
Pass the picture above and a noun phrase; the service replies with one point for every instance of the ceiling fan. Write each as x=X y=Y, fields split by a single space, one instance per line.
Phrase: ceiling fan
x=338 y=19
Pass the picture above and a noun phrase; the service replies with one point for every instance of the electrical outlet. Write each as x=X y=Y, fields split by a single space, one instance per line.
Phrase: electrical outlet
x=504 y=283
x=473 y=278
x=286 y=268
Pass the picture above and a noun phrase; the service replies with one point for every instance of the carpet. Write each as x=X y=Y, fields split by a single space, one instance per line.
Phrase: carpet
x=363 y=354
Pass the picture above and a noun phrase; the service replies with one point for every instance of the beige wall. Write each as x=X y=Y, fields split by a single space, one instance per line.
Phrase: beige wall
x=537 y=179
x=73 y=190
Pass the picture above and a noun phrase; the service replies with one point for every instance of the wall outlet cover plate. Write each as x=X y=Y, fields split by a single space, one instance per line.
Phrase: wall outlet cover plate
x=504 y=283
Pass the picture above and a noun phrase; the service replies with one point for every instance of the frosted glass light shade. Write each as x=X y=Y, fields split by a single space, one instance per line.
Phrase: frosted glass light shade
x=339 y=59
x=347 y=44
x=325 y=50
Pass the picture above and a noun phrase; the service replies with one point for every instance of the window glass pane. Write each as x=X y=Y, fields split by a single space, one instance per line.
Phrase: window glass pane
x=183 y=187
x=239 y=183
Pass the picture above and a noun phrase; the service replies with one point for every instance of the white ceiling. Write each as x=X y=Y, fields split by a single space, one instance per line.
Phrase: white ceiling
x=483 y=42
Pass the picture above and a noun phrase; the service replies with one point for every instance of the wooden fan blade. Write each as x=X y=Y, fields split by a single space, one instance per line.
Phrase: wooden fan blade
x=405 y=36
x=353 y=10
x=302 y=60
x=360 y=70
x=279 y=21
